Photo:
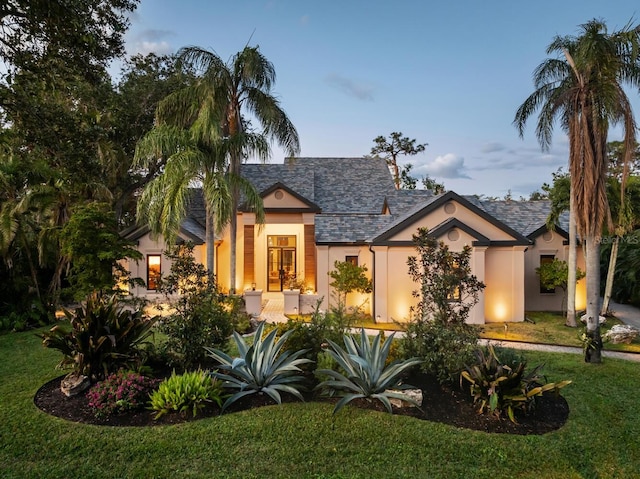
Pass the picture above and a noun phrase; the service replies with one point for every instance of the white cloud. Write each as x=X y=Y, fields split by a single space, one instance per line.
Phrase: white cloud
x=446 y=166
x=151 y=41
x=350 y=87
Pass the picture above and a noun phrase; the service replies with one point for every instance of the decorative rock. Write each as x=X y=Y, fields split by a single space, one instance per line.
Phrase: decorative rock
x=601 y=319
x=621 y=333
x=415 y=394
x=73 y=384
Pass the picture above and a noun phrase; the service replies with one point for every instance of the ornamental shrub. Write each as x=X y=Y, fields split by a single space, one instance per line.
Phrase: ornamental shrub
x=189 y=391
x=203 y=316
x=120 y=392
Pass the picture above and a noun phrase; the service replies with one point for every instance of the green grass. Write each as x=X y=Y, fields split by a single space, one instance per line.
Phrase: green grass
x=599 y=440
x=549 y=328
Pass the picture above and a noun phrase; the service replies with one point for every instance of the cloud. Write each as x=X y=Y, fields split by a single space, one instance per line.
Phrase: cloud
x=304 y=19
x=492 y=147
x=349 y=87
x=447 y=166
x=151 y=41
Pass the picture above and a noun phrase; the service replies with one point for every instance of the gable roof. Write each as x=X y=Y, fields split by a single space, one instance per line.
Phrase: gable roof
x=335 y=185
x=311 y=206
x=421 y=210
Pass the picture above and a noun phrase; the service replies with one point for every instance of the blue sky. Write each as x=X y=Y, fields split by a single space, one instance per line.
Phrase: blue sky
x=450 y=74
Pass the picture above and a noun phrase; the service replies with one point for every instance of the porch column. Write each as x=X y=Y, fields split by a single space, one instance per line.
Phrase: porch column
x=249 y=257
x=477 y=313
x=323 y=274
x=517 y=283
x=381 y=282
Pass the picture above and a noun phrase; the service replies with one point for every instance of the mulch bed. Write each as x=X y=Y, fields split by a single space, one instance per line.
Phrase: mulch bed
x=440 y=404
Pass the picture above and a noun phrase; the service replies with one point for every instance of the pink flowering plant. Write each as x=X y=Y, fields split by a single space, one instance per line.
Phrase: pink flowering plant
x=119 y=392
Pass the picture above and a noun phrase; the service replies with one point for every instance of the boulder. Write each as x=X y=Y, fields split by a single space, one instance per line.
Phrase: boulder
x=415 y=394
x=621 y=333
x=73 y=384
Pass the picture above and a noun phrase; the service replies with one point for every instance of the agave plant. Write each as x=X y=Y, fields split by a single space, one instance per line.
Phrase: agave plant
x=497 y=387
x=261 y=368
x=364 y=372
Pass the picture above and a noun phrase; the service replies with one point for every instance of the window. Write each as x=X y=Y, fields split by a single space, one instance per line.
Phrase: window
x=455 y=294
x=153 y=271
x=546 y=259
x=351 y=259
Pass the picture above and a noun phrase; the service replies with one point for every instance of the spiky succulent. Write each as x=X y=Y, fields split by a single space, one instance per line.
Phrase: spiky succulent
x=261 y=367
x=364 y=374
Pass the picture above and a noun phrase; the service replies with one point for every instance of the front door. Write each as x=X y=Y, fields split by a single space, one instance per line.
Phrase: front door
x=281 y=261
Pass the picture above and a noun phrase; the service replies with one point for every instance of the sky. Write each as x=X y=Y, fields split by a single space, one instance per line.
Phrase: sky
x=449 y=74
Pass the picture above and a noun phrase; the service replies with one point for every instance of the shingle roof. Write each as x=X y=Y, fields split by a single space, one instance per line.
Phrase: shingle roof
x=523 y=216
x=352 y=193
x=336 y=185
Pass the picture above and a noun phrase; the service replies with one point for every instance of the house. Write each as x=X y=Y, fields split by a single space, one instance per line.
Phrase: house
x=322 y=210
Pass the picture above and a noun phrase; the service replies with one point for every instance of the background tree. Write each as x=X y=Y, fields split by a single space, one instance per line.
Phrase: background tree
x=93 y=246
x=55 y=54
x=585 y=90
x=624 y=199
x=390 y=149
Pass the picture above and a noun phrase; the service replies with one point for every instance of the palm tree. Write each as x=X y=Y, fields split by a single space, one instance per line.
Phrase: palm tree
x=584 y=90
x=243 y=85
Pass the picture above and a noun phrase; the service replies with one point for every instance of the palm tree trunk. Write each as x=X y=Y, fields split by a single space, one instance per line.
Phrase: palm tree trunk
x=210 y=238
x=613 y=259
x=573 y=264
x=233 y=230
x=593 y=351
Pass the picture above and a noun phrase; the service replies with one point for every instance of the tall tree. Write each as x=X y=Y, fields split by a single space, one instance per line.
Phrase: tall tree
x=84 y=33
x=242 y=86
x=390 y=149
x=583 y=87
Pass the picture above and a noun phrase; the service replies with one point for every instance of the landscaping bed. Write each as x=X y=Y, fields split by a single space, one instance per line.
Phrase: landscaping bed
x=448 y=405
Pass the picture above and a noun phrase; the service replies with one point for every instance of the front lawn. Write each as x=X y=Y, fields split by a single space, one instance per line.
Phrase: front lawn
x=303 y=440
x=549 y=328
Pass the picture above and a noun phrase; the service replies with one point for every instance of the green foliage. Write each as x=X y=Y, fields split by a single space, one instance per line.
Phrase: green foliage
x=189 y=391
x=120 y=392
x=103 y=337
x=365 y=373
x=498 y=388
x=626 y=282
x=311 y=336
x=445 y=349
x=203 y=315
x=346 y=278
x=91 y=241
x=448 y=290
x=555 y=274
x=264 y=367
x=438 y=333
x=391 y=148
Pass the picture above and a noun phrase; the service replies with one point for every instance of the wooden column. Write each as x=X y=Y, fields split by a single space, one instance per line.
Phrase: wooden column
x=249 y=256
x=310 y=256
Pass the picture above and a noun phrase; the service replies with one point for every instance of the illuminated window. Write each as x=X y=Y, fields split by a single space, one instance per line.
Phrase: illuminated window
x=153 y=271
x=454 y=293
x=546 y=259
x=351 y=259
